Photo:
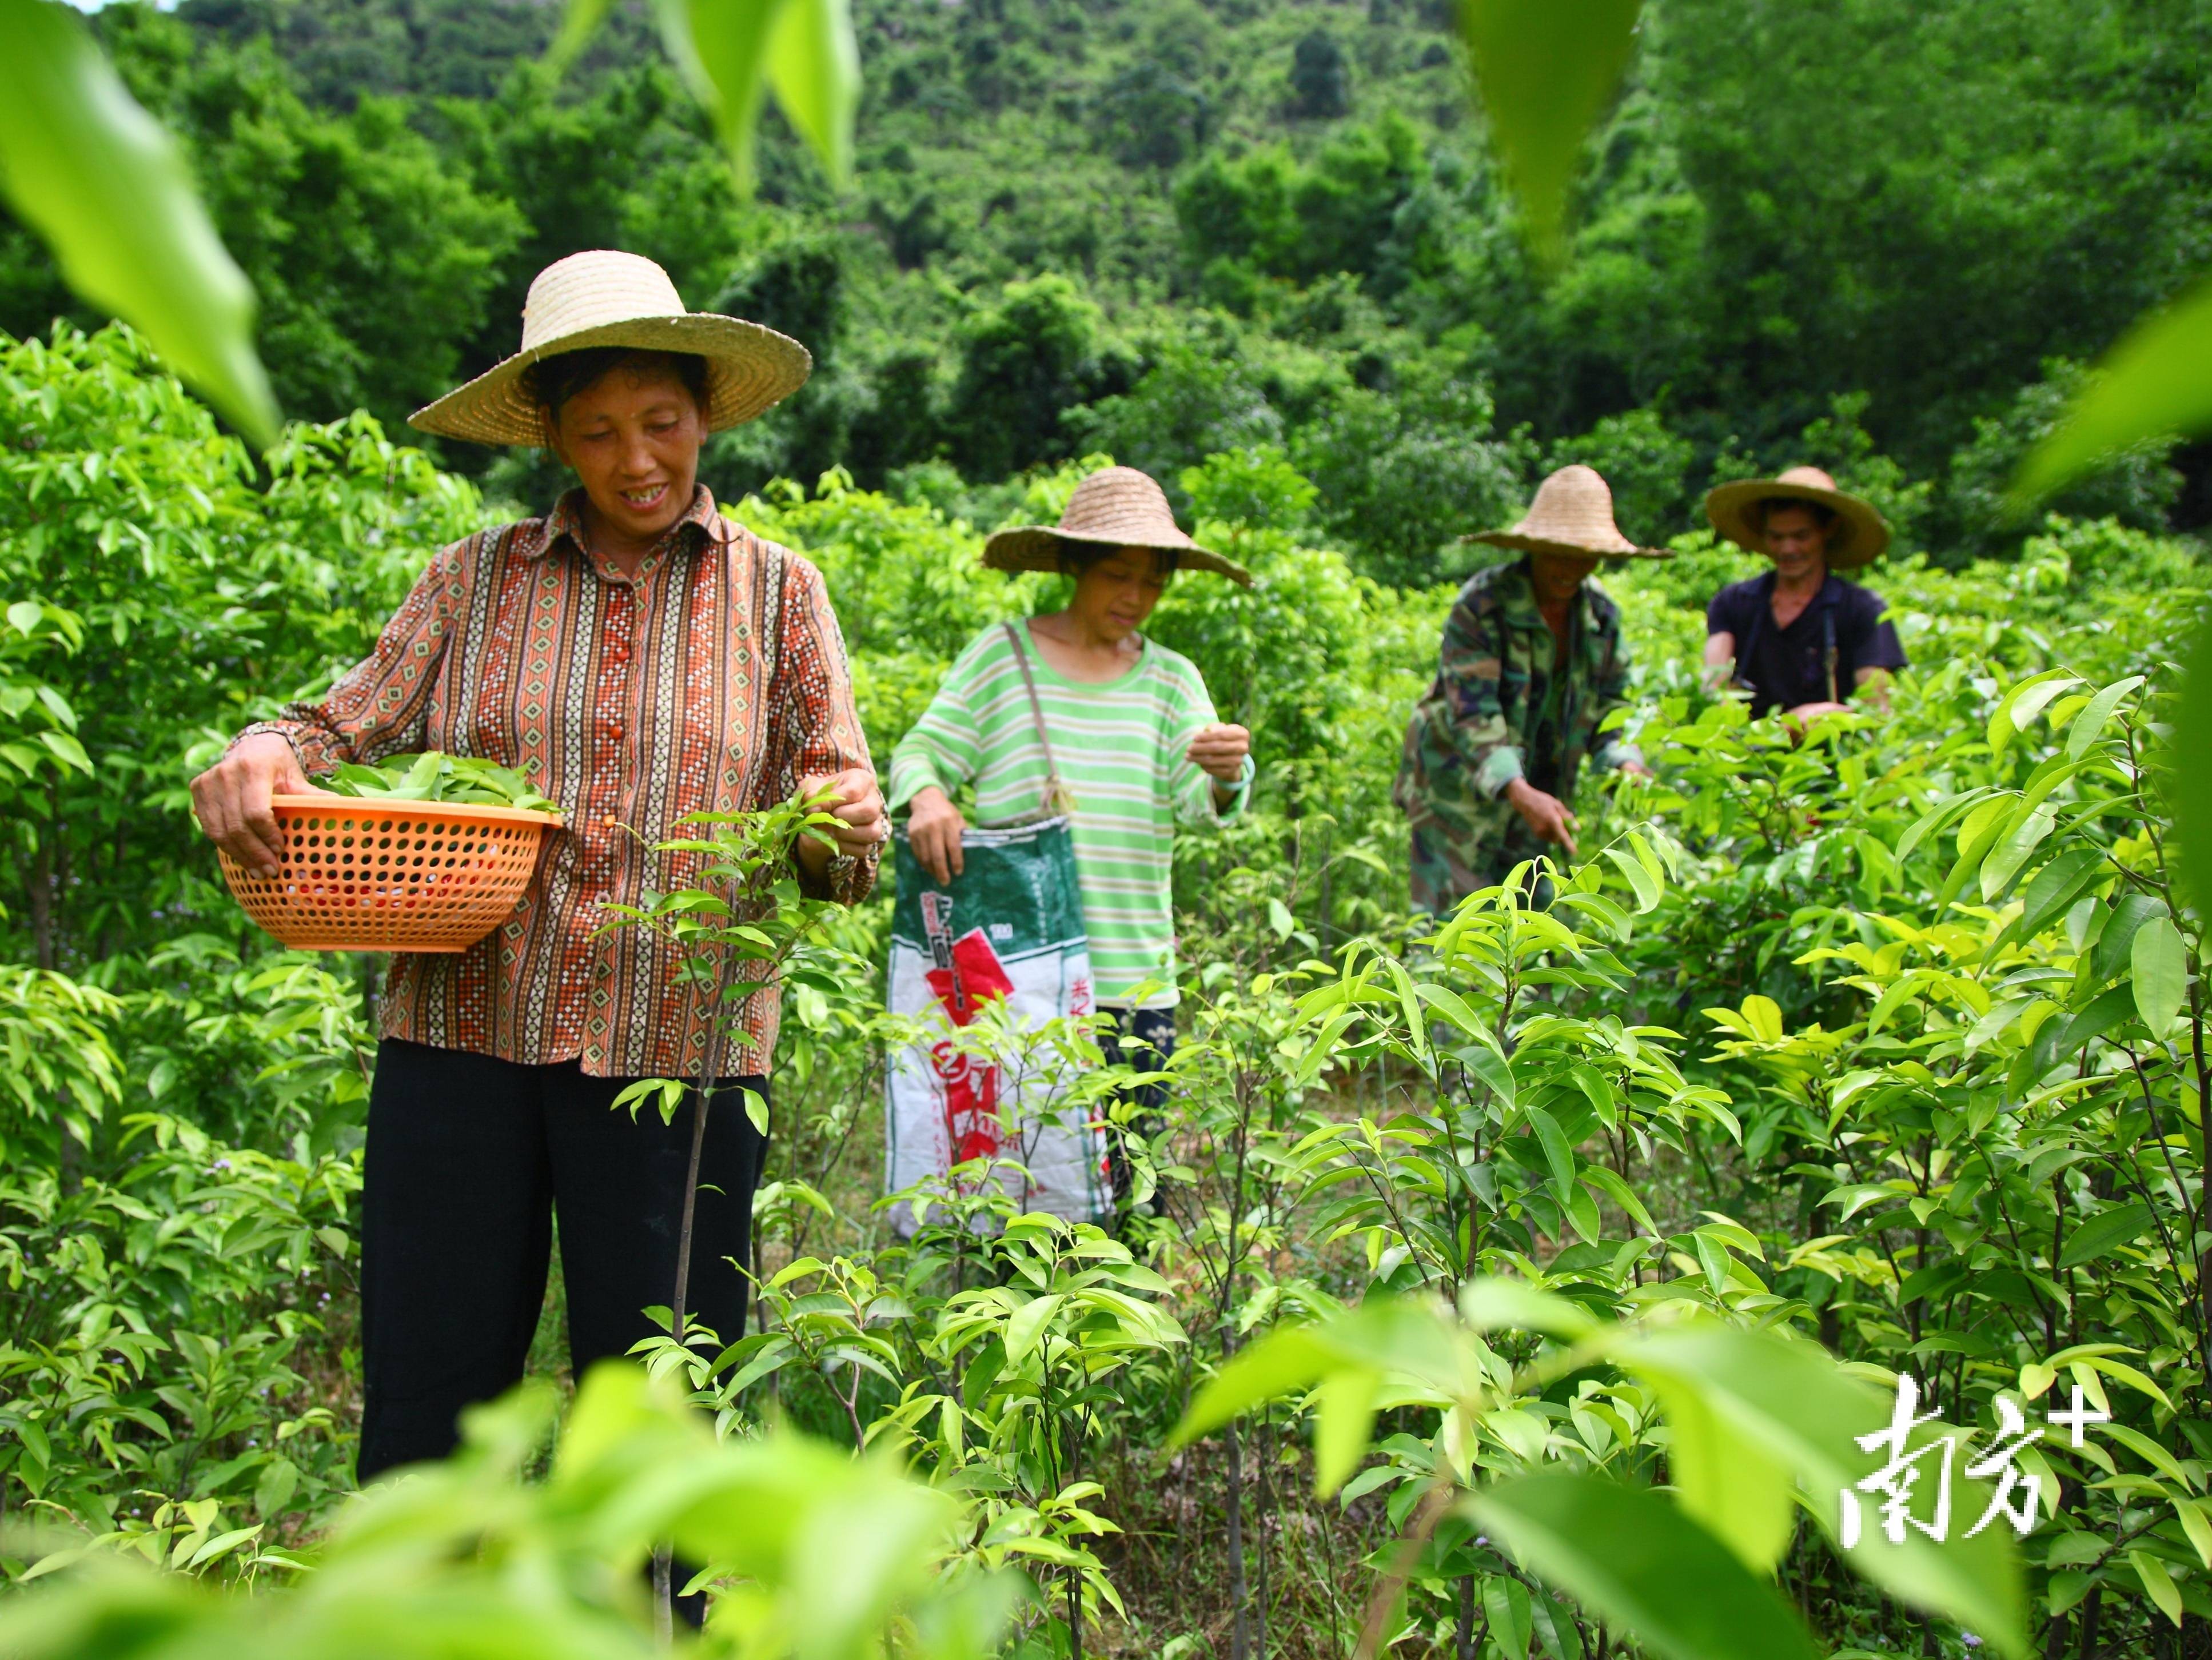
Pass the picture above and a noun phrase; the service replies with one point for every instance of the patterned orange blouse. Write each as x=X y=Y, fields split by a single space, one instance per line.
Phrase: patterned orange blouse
x=712 y=680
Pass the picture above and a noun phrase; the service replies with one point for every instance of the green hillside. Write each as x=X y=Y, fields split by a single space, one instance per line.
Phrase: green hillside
x=1867 y=230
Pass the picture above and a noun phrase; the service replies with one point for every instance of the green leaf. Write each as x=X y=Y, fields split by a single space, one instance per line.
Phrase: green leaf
x=2151 y=386
x=1728 y=1482
x=1494 y=1070
x=1453 y=1008
x=1977 y=833
x=100 y=180
x=2067 y=1036
x=1345 y=1416
x=2116 y=944
x=2191 y=786
x=1640 y=879
x=1643 y=1564
x=1558 y=1151
x=1546 y=74
x=1713 y=1258
x=1288 y=1359
x=1795 y=1403
x=279 y=1477
x=1497 y=1303
x=1506 y=1602
x=1383 y=1334
x=814 y=67
x=721 y=46
x=2023 y=703
x=70 y=751
x=2005 y=860
x=2160 y=966
x=1621 y=1194
x=1026 y=1326
x=729 y=52
x=1931 y=822
x=2090 y=722
x=578 y=24
x=2197 y=1525
x=2055 y=888
x=2158 y=1583
x=2105 y=1233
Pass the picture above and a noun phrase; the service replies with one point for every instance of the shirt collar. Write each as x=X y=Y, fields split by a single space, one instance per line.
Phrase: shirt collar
x=1831 y=593
x=701 y=523
x=1517 y=598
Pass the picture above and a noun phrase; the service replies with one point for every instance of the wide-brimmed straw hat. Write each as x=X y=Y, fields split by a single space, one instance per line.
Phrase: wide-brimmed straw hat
x=1572 y=514
x=608 y=299
x=1114 y=508
x=1856 y=537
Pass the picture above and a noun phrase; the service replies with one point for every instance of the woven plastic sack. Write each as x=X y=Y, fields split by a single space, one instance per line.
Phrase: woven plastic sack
x=1011 y=926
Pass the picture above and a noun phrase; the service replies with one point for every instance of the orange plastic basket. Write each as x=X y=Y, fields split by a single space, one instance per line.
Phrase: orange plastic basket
x=361 y=875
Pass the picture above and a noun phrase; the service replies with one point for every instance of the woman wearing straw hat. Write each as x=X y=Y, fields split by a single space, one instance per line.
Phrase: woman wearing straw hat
x=1800 y=638
x=1533 y=663
x=1132 y=735
x=639 y=657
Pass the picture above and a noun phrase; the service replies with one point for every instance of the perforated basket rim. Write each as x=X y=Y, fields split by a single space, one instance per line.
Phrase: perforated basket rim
x=453 y=812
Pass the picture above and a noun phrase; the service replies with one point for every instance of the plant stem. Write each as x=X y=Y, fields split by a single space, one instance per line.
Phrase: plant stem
x=710 y=1065
x=1431 y=1512
x=1240 y=1636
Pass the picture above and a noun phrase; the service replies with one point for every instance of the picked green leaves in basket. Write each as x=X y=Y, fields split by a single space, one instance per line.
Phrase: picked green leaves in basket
x=436 y=777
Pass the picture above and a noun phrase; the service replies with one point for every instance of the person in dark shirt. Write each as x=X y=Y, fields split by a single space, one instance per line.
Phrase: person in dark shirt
x=1801 y=639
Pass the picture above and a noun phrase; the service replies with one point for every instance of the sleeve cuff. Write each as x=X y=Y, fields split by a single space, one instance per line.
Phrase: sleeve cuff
x=311 y=751
x=847 y=880
x=910 y=775
x=1239 y=793
x=1498 y=769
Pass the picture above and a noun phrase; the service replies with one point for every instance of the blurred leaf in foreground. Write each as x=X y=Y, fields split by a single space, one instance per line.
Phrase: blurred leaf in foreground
x=1644 y=1564
x=732 y=52
x=96 y=176
x=2190 y=785
x=822 y=1553
x=2156 y=383
x=1546 y=73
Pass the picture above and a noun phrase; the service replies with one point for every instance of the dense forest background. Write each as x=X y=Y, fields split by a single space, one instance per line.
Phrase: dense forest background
x=1878 y=235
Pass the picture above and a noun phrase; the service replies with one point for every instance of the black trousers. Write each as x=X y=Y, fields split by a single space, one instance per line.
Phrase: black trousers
x=468 y=1160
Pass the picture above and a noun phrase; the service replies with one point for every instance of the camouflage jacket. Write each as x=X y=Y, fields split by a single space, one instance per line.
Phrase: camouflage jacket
x=1485 y=721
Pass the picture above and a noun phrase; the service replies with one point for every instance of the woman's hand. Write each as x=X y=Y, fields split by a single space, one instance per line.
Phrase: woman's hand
x=851 y=798
x=1546 y=817
x=1219 y=750
x=933 y=831
x=231 y=800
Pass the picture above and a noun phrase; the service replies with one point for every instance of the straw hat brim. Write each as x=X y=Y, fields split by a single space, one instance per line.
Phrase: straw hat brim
x=749 y=369
x=1509 y=539
x=1857 y=538
x=1036 y=547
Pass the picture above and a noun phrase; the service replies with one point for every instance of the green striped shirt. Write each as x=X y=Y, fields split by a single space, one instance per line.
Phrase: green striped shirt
x=1119 y=744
